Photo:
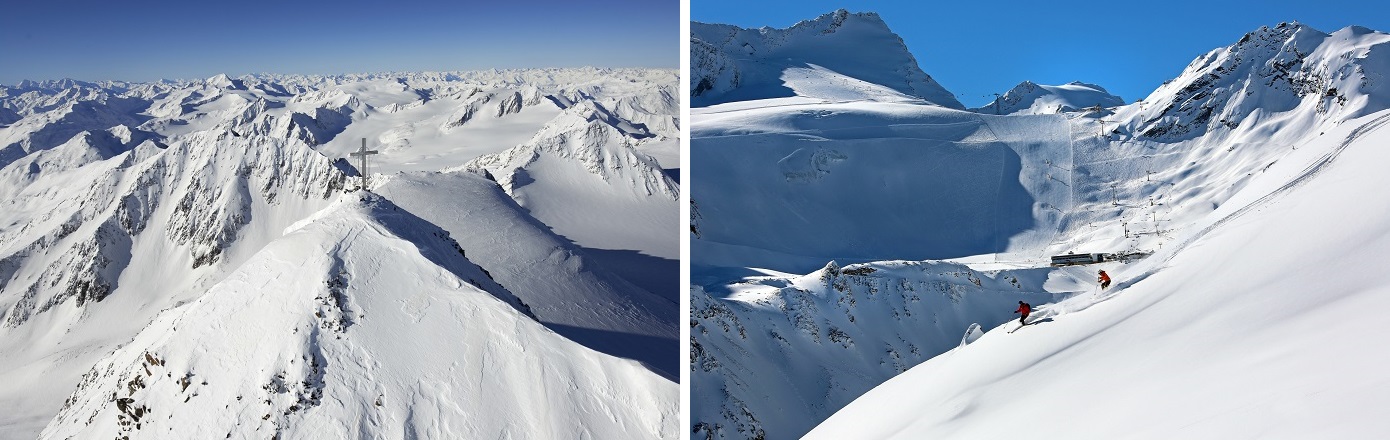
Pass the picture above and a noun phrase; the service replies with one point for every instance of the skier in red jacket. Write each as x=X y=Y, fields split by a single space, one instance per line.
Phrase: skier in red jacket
x=1025 y=309
x=1103 y=279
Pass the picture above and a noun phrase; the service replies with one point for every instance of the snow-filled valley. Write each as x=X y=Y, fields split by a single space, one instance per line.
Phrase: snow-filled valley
x=511 y=271
x=857 y=247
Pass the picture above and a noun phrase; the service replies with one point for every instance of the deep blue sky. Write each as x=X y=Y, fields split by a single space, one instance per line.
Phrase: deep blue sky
x=144 y=40
x=975 y=48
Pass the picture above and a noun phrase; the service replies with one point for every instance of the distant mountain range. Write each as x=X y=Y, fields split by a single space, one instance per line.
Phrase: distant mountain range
x=204 y=251
x=849 y=222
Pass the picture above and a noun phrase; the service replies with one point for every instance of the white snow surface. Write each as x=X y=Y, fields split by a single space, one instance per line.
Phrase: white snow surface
x=1254 y=327
x=558 y=281
x=334 y=331
x=1030 y=98
x=779 y=351
x=124 y=201
x=586 y=178
x=1238 y=175
x=729 y=63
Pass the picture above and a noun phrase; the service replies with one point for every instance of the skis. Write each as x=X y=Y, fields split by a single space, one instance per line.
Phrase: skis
x=1016 y=328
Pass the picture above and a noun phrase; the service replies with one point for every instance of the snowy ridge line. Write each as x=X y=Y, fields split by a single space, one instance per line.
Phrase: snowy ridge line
x=128 y=201
x=858 y=324
x=794 y=104
x=861 y=127
x=368 y=366
x=1307 y=174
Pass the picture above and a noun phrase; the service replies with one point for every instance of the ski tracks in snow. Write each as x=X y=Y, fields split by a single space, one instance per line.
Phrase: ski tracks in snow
x=1079 y=301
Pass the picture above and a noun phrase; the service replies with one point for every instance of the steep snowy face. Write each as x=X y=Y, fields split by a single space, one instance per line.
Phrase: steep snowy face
x=332 y=331
x=1029 y=98
x=1191 y=342
x=83 y=226
x=1288 y=68
x=729 y=63
x=584 y=167
x=774 y=355
x=560 y=283
x=43 y=121
x=97 y=246
x=868 y=181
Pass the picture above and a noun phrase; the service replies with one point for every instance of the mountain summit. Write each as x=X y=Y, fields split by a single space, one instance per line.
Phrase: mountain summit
x=1032 y=98
x=730 y=63
x=1273 y=69
x=840 y=243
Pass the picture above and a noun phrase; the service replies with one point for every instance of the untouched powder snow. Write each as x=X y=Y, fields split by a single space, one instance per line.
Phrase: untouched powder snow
x=585 y=302
x=363 y=321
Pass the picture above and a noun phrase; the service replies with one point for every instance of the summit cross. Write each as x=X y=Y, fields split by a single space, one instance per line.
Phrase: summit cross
x=363 y=153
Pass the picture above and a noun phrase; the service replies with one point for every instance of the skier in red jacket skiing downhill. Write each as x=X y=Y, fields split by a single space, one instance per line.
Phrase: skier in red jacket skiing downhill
x=1025 y=309
x=1103 y=279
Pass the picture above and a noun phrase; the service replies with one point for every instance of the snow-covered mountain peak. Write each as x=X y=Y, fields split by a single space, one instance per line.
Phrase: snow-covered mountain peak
x=591 y=137
x=1226 y=178
x=730 y=63
x=1032 y=98
x=1277 y=69
x=122 y=201
x=223 y=81
x=830 y=22
x=332 y=331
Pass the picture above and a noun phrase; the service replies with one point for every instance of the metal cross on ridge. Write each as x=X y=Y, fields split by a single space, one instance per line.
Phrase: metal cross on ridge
x=363 y=153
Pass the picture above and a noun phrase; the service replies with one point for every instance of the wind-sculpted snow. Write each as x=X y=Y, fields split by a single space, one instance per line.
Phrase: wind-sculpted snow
x=729 y=63
x=345 y=344
x=774 y=355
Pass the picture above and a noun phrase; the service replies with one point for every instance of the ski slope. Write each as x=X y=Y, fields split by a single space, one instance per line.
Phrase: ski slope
x=871 y=179
x=823 y=338
x=784 y=178
x=1256 y=328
